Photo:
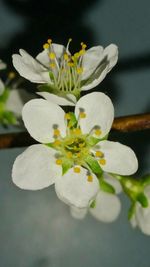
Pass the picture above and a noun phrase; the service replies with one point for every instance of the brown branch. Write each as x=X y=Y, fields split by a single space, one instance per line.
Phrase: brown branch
x=122 y=124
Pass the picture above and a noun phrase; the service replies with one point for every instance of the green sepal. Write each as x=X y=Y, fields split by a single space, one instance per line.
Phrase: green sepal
x=143 y=200
x=93 y=204
x=4 y=96
x=131 y=210
x=93 y=164
x=72 y=121
x=145 y=180
x=66 y=165
x=91 y=140
x=106 y=187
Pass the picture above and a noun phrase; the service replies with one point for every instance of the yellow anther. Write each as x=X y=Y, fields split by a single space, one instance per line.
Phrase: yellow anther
x=52 y=55
x=81 y=145
x=102 y=161
x=79 y=70
x=66 y=56
x=76 y=55
x=90 y=178
x=49 y=41
x=56 y=132
x=57 y=142
x=46 y=46
x=52 y=65
x=82 y=115
x=77 y=169
x=69 y=155
x=99 y=154
x=58 y=161
x=82 y=52
x=83 y=45
x=70 y=64
x=70 y=40
x=78 y=155
x=77 y=131
x=67 y=116
x=11 y=75
x=97 y=131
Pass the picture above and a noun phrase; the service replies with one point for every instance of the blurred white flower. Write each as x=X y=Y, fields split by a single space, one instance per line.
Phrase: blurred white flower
x=141 y=217
x=74 y=152
x=63 y=74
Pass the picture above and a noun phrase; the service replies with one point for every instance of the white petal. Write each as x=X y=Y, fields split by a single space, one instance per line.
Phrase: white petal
x=2 y=65
x=74 y=188
x=56 y=99
x=91 y=60
x=114 y=182
x=2 y=87
x=78 y=213
x=109 y=59
x=111 y=52
x=16 y=100
x=40 y=117
x=143 y=218
x=43 y=58
x=107 y=207
x=30 y=68
x=58 y=50
x=99 y=111
x=120 y=159
x=35 y=168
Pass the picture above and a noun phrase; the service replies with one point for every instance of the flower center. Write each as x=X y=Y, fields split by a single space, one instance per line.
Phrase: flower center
x=65 y=70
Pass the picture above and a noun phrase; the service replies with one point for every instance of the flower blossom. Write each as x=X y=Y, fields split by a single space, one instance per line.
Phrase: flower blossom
x=74 y=152
x=141 y=217
x=64 y=75
x=12 y=100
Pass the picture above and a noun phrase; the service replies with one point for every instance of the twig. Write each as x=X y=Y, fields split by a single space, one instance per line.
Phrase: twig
x=123 y=124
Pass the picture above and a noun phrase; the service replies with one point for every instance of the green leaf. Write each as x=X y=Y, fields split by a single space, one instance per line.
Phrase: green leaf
x=93 y=204
x=93 y=164
x=91 y=140
x=66 y=165
x=106 y=187
x=131 y=210
x=143 y=200
x=73 y=121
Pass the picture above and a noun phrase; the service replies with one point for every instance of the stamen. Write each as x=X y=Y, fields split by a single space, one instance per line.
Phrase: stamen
x=57 y=142
x=52 y=55
x=77 y=169
x=90 y=178
x=58 y=161
x=99 y=154
x=56 y=132
x=11 y=75
x=67 y=116
x=46 y=46
x=69 y=155
x=102 y=161
x=66 y=57
x=79 y=70
x=52 y=65
x=77 y=131
x=82 y=114
x=97 y=132
x=49 y=41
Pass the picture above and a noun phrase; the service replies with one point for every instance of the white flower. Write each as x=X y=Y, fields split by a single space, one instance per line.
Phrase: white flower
x=106 y=207
x=63 y=74
x=73 y=153
x=2 y=65
x=12 y=101
x=141 y=217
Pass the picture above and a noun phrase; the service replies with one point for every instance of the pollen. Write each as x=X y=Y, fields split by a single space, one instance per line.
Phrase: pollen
x=66 y=56
x=82 y=115
x=11 y=75
x=58 y=161
x=52 y=65
x=79 y=70
x=52 y=55
x=102 y=161
x=70 y=64
x=90 y=178
x=78 y=155
x=67 y=116
x=77 y=169
x=49 y=41
x=99 y=154
x=57 y=142
x=56 y=132
x=46 y=46
x=98 y=132
x=83 y=45
x=69 y=155
x=77 y=131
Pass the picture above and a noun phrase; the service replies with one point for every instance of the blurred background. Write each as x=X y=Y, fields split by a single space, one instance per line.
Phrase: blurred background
x=36 y=229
